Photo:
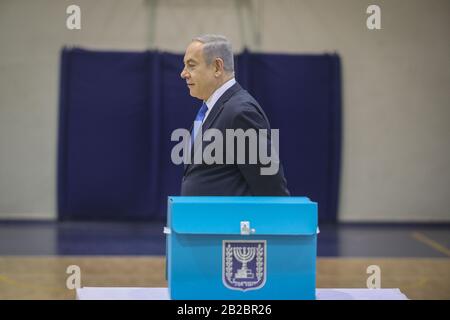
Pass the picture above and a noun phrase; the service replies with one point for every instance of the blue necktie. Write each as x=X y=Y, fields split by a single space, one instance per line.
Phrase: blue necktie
x=198 y=119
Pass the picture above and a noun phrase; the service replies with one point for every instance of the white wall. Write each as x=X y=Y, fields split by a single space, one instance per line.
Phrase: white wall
x=395 y=88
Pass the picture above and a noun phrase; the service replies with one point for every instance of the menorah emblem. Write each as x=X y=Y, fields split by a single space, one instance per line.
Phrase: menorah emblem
x=244 y=255
x=244 y=264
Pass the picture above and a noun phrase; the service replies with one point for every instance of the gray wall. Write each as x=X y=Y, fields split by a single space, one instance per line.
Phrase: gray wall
x=395 y=88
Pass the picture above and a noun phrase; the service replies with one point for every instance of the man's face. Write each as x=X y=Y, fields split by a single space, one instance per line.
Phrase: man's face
x=198 y=75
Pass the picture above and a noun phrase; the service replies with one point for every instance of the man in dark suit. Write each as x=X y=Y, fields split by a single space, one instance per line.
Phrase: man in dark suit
x=209 y=74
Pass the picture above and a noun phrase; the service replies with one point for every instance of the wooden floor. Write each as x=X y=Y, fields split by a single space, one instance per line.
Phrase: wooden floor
x=45 y=277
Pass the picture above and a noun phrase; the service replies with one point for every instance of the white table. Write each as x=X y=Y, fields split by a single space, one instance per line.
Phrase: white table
x=105 y=293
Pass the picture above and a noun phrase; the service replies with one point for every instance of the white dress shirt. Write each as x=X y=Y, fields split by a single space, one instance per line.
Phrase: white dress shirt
x=216 y=95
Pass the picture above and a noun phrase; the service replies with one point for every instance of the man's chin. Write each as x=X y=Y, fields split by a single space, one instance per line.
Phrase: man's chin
x=193 y=94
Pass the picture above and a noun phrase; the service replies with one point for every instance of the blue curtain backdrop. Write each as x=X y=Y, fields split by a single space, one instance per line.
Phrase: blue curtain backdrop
x=118 y=110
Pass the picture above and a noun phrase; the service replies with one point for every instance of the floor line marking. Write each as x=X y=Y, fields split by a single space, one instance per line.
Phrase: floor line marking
x=430 y=242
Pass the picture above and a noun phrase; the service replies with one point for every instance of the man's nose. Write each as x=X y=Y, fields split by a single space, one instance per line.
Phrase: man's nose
x=183 y=74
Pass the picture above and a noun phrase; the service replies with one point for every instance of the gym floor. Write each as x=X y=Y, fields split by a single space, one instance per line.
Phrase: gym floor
x=34 y=257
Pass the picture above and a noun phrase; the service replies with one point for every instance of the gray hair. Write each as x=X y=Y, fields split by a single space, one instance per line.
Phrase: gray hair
x=217 y=46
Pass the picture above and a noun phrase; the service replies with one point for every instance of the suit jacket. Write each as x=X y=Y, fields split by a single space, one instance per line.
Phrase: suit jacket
x=235 y=109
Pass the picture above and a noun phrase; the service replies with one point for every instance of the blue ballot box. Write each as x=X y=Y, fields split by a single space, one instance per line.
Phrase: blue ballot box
x=241 y=247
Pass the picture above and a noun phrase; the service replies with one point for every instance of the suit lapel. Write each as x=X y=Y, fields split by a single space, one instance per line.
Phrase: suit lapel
x=217 y=108
x=215 y=111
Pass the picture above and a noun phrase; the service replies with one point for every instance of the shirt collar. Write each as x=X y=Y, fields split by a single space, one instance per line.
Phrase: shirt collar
x=219 y=92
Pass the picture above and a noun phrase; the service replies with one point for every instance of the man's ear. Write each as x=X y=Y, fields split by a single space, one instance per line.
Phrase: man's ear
x=218 y=66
